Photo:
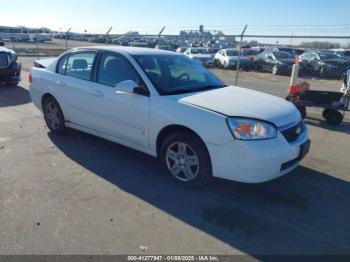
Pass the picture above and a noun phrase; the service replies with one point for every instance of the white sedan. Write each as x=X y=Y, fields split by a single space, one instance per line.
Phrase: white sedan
x=201 y=55
x=228 y=58
x=171 y=107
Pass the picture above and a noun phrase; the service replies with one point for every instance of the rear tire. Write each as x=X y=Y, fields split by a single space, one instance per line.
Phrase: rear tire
x=53 y=115
x=187 y=160
x=325 y=112
x=334 y=117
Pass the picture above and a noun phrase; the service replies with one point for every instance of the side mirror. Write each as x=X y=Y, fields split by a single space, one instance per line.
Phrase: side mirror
x=131 y=87
x=2 y=43
x=127 y=86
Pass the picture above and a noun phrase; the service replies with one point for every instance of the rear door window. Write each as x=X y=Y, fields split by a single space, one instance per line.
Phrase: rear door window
x=80 y=65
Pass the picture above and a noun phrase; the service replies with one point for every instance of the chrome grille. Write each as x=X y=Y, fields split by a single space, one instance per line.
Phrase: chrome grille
x=293 y=133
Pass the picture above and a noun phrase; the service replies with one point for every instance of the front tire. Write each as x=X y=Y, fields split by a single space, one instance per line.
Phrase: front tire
x=187 y=159
x=53 y=115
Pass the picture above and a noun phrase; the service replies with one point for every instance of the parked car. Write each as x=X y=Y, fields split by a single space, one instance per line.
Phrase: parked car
x=171 y=107
x=41 y=37
x=139 y=44
x=213 y=51
x=181 y=49
x=293 y=51
x=10 y=68
x=228 y=58
x=342 y=52
x=250 y=53
x=324 y=64
x=276 y=62
x=201 y=55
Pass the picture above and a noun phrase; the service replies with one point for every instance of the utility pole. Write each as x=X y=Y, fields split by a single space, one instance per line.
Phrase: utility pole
x=107 y=33
x=67 y=37
x=160 y=33
x=37 y=42
x=239 y=55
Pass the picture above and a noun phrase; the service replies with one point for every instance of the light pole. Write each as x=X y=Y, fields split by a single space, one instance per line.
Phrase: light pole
x=67 y=37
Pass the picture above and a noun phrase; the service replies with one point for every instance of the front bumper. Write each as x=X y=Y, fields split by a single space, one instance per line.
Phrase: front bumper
x=11 y=74
x=256 y=161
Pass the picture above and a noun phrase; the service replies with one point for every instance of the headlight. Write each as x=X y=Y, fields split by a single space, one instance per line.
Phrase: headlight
x=250 y=129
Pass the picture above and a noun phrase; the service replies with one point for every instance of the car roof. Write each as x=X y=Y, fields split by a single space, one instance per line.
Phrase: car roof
x=129 y=50
x=4 y=49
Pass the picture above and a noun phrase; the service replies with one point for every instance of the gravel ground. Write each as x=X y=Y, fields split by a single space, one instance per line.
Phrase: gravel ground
x=79 y=194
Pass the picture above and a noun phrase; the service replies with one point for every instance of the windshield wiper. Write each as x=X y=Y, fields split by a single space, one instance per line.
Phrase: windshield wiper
x=202 y=88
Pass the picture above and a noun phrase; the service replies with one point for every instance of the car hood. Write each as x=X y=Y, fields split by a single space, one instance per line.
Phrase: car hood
x=243 y=102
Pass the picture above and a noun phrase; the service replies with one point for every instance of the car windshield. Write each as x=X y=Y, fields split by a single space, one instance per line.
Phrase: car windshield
x=250 y=52
x=176 y=74
x=213 y=50
x=328 y=56
x=232 y=52
x=282 y=55
x=199 y=51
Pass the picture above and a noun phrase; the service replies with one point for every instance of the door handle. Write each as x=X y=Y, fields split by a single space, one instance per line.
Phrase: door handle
x=96 y=93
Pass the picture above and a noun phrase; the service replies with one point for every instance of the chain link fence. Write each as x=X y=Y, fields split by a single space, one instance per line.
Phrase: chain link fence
x=252 y=56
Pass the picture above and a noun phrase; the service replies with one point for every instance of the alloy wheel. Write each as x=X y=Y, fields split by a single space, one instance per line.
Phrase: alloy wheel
x=52 y=115
x=182 y=161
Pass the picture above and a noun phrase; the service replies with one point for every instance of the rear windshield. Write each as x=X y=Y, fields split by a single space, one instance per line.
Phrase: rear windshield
x=250 y=52
x=199 y=51
x=282 y=55
x=232 y=52
x=328 y=56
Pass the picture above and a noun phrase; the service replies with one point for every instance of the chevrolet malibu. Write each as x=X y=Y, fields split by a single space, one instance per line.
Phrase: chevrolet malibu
x=171 y=107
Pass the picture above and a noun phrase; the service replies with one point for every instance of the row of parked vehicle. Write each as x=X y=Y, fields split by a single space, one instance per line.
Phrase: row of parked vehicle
x=279 y=61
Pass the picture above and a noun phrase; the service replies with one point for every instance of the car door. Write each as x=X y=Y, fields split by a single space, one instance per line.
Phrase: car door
x=73 y=86
x=117 y=114
x=222 y=55
x=315 y=61
x=263 y=61
x=306 y=62
x=269 y=62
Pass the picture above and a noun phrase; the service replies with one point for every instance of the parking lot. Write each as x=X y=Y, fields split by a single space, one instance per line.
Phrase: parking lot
x=79 y=194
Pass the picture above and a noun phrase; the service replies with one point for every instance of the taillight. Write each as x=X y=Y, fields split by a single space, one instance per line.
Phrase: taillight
x=30 y=77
